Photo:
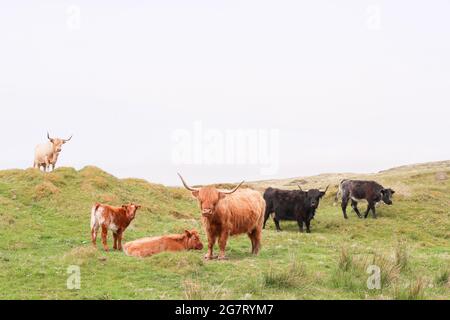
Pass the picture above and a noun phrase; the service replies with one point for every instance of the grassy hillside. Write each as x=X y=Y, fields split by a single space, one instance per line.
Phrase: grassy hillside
x=44 y=228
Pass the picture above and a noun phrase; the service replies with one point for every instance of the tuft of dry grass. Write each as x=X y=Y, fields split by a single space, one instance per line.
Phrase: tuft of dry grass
x=345 y=260
x=193 y=290
x=99 y=183
x=414 y=291
x=443 y=278
x=55 y=179
x=293 y=276
x=390 y=270
x=80 y=255
x=44 y=190
x=401 y=255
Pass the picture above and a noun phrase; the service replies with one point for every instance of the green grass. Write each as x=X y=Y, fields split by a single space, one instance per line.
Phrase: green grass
x=44 y=229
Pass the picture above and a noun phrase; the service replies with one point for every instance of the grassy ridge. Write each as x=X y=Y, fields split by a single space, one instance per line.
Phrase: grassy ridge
x=44 y=228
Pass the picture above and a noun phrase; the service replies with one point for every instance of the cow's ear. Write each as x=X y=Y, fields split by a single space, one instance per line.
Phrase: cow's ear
x=392 y=191
x=195 y=193
x=322 y=193
x=383 y=191
x=125 y=207
x=222 y=195
x=188 y=233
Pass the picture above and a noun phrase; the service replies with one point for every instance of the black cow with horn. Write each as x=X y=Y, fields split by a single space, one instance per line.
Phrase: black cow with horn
x=292 y=205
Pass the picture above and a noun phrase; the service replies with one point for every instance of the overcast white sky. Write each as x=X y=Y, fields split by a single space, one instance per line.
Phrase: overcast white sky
x=345 y=85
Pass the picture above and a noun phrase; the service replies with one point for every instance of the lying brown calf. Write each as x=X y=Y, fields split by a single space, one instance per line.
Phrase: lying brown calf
x=146 y=247
x=116 y=219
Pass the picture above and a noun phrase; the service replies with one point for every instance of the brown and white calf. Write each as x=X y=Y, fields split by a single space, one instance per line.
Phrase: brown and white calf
x=116 y=219
x=189 y=240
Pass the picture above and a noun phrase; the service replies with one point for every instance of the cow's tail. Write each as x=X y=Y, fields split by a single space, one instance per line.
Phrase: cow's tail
x=93 y=218
x=338 y=193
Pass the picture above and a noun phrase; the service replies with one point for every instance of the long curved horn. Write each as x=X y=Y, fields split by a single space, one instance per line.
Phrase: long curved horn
x=48 y=136
x=300 y=187
x=185 y=184
x=68 y=139
x=235 y=189
x=326 y=189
